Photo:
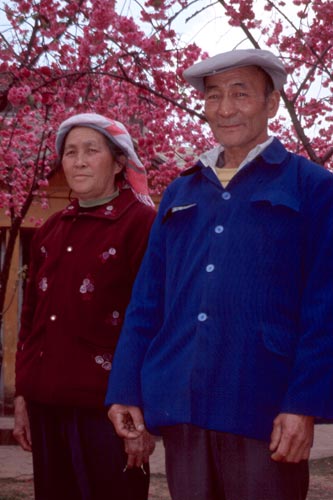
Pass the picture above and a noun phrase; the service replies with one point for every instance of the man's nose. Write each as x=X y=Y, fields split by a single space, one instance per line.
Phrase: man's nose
x=226 y=106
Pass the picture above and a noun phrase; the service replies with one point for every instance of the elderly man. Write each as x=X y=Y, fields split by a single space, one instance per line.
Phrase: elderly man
x=227 y=347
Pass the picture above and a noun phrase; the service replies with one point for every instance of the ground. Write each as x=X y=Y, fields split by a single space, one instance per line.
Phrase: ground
x=13 y=489
x=321 y=484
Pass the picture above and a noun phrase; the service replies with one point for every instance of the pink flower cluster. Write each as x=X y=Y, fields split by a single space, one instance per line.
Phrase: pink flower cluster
x=88 y=55
x=18 y=95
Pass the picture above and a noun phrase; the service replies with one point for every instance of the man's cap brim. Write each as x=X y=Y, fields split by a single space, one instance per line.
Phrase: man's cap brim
x=195 y=75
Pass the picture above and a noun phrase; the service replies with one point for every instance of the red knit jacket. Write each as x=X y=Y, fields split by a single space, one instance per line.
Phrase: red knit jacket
x=82 y=267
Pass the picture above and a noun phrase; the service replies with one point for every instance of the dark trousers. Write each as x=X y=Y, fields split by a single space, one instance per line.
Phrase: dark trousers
x=209 y=465
x=78 y=456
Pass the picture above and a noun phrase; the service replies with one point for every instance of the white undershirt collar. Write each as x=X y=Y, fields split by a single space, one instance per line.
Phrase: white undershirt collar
x=209 y=158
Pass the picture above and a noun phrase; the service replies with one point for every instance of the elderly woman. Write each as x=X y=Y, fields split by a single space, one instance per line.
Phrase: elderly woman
x=83 y=263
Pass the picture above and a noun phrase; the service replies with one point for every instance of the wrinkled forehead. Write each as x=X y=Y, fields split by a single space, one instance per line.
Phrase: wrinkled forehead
x=242 y=75
x=84 y=132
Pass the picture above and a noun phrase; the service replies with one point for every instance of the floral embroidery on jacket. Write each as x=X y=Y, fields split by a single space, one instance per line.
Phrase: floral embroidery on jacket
x=43 y=284
x=43 y=251
x=111 y=252
x=109 y=210
x=87 y=288
x=114 y=319
x=104 y=360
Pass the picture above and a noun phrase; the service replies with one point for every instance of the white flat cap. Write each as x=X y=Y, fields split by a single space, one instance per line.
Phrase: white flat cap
x=195 y=75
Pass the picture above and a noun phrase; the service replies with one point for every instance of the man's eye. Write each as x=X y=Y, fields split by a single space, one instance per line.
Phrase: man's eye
x=240 y=94
x=212 y=97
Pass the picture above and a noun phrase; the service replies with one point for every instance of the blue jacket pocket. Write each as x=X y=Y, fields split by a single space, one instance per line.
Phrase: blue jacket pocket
x=277 y=198
x=177 y=209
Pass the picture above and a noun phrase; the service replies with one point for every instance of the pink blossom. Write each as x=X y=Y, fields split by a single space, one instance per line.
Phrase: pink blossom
x=18 y=95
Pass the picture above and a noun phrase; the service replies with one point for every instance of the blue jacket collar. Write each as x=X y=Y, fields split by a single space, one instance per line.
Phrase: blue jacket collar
x=274 y=154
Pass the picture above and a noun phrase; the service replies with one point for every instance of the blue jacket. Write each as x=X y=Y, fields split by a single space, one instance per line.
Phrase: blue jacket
x=231 y=316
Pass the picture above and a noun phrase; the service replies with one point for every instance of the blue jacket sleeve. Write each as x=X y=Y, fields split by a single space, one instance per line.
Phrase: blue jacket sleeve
x=143 y=320
x=310 y=391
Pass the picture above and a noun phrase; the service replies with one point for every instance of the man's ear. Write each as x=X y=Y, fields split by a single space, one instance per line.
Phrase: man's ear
x=273 y=102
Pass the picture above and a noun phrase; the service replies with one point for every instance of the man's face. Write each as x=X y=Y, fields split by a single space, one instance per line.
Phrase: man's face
x=237 y=108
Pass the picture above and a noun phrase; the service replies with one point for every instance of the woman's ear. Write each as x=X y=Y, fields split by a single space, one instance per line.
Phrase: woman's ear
x=120 y=164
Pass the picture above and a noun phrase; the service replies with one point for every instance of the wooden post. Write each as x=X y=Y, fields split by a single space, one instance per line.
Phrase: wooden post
x=10 y=329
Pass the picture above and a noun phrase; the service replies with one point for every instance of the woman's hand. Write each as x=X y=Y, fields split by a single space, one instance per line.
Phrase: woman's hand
x=21 y=430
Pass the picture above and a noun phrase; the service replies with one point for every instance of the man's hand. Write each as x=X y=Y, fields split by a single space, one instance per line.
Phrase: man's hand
x=21 y=430
x=292 y=437
x=139 y=449
x=127 y=420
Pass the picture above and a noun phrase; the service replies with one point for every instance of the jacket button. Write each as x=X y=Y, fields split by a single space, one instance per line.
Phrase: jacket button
x=53 y=317
x=226 y=195
x=69 y=249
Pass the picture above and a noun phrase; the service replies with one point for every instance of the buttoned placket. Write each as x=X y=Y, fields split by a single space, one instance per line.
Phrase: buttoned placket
x=211 y=267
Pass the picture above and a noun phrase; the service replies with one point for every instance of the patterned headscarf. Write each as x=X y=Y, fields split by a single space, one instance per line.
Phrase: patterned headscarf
x=134 y=172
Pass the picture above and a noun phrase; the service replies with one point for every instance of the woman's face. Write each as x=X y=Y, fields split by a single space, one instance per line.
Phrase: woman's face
x=88 y=164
